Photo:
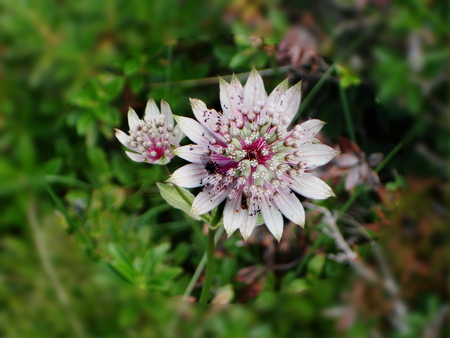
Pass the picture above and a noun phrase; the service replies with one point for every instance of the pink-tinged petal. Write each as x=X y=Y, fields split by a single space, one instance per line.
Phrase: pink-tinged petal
x=289 y=102
x=373 y=178
x=275 y=95
x=194 y=130
x=133 y=119
x=176 y=136
x=290 y=206
x=151 y=110
x=346 y=160
x=272 y=217
x=315 y=154
x=375 y=159
x=189 y=176
x=236 y=85
x=124 y=139
x=230 y=100
x=167 y=112
x=247 y=227
x=135 y=157
x=207 y=117
x=254 y=91
x=191 y=153
x=310 y=129
x=162 y=160
x=309 y=186
x=352 y=178
x=233 y=215
x=208 y=200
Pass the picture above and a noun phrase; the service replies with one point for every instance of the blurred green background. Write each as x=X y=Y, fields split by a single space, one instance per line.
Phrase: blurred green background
x=50 y=49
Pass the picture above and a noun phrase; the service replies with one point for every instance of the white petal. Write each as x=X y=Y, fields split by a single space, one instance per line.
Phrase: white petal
x=167 y=112
x=311 y=128
x=346 y=160
x=207 y=200
x=124 y=139
x=254 y=90
x=189 y=176
x=275 y=95
x=249 y=224
x=289 y=102
x=375 y=159
x=272 y=217
x=162 y=160
x=236 y=85
x=194 y=130
x=133 y=119
x=151 y=110
x=290 y=206
x=207 y=117
x=230 y=100
x=135 y=157
x=316 y=154
x=191 y=153
x=352 y=178
x=233 y=215
x=309 y=186
x=175 y=140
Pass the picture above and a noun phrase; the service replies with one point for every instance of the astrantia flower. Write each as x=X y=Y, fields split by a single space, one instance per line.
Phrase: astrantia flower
x=153 y=138
x=247 y=155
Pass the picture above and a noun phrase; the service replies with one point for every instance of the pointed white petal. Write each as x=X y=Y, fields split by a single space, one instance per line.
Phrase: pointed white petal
x=233 y=215
x=162 y=160
x=194 y=130
x=346 y=160
x=236 y=85
x=352 y=178
x=272 y=217
x=189 y=176
x=254 y=90
x=135 y=157
x=309 y=186
x=179 y=135
x=167 y=112
x=289 y=102
x=310 y=129
x=133 y=119
x=275 y=95
x=247 y=227
x=124 y=139
x=191 y=153
x=230 y=100
x=207 y=200
x=290 y=206
x=316 y=154
x=207 y=117
x=151 y=110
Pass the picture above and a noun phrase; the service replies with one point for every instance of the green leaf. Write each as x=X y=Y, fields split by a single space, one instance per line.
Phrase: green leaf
x=131 y=65
x=172 y=196
x=121 y=263
x=53 y=166
x=315 y=265
x=107 y=86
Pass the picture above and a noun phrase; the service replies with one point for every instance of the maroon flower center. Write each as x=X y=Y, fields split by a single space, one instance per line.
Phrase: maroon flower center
x=255 y=151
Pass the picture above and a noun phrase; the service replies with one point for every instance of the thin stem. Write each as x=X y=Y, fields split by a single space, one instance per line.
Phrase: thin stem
x=348 y=117
x=200 y=268
x=209 y=267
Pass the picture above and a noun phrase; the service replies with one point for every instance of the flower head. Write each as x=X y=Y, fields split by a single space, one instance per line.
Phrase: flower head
x=153 y=138
x=247 y=155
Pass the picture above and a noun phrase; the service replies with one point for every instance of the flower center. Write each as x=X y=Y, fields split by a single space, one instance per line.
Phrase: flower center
x=258 y=150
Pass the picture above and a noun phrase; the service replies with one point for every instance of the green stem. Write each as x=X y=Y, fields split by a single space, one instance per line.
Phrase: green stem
x=348 y=117
x=209 y=267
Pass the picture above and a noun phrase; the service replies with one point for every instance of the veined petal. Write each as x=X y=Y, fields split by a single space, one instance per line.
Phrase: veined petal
x=133 y=119
x=247 y=227
x=207 y=200
x=290 y=206
x=124 y=139
x=316 y=154
x=177 y=135
x=275 y=95
x=189 y=176
x=194 y=130
x=236 y=85
x=135 y=157
x=207 y=117
x=272 y=217
x=167 y=112
x=191 y=153
x=233 y=215
x=309 y=129
x=230 y=100
x=151 y=110
x=254 y=91
x=289 y=102
x=352 y=178
x=309 y=186
x=346 y=160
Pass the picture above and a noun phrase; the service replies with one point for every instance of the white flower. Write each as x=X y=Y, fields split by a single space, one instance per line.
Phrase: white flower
x=153 y=138
x=246 y=155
